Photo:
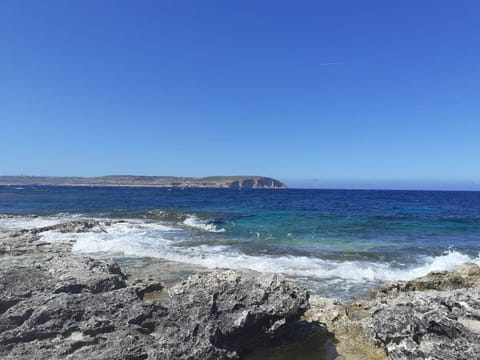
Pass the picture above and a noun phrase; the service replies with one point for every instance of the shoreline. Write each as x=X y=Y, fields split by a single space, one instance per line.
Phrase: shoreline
x=171 y=236
x=231 y=182
x=74 y=305
x=435 y=315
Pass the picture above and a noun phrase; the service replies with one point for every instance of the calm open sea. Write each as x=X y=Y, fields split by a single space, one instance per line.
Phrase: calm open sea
x=337 y=242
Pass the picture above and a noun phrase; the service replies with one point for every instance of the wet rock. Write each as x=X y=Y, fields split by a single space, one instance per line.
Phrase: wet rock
x=463 y=276
x=75 y=226
x=29 y=241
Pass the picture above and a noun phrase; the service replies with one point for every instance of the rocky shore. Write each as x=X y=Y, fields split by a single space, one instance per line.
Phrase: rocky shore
x=59 y=305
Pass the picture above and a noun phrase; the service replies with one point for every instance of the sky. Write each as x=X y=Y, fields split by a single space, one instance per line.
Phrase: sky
x=315 y=93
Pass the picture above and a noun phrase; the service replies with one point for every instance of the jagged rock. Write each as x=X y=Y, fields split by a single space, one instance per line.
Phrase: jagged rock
x=29 y=241
x=75 y=226
x=58 y=274
x=74 y=307
x=434 y=317
x=414 y=322
x=229 y=313
x=428 y=325
x=61 y=304
x=344 y=328
x=463 y=276
x=54 y=326
x=69 y=306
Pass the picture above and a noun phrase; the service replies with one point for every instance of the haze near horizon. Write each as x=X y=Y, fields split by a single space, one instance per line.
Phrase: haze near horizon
x=317 y=94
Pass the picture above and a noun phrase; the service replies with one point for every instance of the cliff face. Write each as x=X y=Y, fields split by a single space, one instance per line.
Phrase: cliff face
x=234 y=182
x=257 y=182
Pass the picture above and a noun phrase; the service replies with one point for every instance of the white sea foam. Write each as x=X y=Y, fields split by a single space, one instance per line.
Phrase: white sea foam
x=24 y=222
x=447 y=261
x=134 y=238
x=310 y=267
x=140 y=238
x=143 y=239
x=196 y=223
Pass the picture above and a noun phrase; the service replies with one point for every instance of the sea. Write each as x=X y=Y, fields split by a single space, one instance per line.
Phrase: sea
x=338 y=243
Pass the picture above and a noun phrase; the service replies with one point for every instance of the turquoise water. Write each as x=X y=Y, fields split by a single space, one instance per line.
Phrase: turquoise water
x=340 y=242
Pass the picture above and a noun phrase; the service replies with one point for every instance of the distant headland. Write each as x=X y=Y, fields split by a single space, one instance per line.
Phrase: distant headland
x=233 y=182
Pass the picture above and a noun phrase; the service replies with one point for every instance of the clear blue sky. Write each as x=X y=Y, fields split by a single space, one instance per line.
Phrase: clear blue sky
x=312 y=92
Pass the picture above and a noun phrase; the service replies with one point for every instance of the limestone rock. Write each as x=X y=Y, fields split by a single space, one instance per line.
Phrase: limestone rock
x=230 y=312
x=344 y=326
x=412 y=321
x=463 y=276
x=75 y=307
x=434 y=317
x=28 y=241
x=429 y=325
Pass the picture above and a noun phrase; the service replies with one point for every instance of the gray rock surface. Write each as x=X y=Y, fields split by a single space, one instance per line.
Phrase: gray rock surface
x=344 y=325
x=434 y=317
x=463 y=276
x=58 y=305
x=28 y=241
x=412 y=321
x=231 y=312
x=76 y=307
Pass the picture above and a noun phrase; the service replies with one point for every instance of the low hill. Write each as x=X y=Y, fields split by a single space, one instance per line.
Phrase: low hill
x=235 y=182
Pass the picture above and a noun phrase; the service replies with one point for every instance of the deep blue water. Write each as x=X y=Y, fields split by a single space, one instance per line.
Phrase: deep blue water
x=309 y=230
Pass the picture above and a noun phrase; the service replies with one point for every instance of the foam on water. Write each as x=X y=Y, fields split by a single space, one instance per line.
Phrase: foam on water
x=313 y=268
x=134 y=237
x=150 y=239
x=327 y=239
x=193 y=222
x=17 y=223
x=141 y=238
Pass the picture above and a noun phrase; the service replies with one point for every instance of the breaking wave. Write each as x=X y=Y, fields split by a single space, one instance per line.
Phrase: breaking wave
x=195 y=223
x=136 y=238
x=142 y=238
x=200 y=221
